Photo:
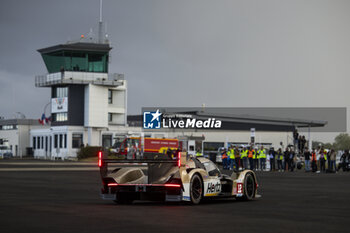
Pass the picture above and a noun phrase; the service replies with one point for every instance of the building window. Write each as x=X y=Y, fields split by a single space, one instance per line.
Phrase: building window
x=61 y=140
x=106 y=141
x=65 y=140
x=63 y=116
x=76 y=61
x=8 y=127
x=34 y=142
x=46 y=143
x=56 y=141
x=60 y=92
x=110 y=117
x=77 y=140
x=38 y=146
x=110 y=96
x=97 y=62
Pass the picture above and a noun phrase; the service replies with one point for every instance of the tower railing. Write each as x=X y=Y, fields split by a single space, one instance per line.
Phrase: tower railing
x=76 y=77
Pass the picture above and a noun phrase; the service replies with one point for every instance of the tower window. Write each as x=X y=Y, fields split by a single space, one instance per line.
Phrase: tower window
x=60 y=116
x=60 y=92
x=110 y=96
x=77 y=60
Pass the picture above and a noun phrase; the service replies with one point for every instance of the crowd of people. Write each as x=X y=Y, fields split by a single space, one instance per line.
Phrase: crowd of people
x=254 y=158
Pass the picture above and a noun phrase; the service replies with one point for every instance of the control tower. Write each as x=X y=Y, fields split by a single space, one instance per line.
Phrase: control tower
x=87 y=102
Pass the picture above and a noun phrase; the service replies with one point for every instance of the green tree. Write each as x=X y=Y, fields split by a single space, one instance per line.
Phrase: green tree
x=327 y=145
x=316 y=144
x=342 y=142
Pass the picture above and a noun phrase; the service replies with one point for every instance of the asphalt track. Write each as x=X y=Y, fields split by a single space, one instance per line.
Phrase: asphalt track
x=40 y=200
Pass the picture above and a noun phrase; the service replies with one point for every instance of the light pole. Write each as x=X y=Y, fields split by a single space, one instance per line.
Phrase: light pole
x=46 y=106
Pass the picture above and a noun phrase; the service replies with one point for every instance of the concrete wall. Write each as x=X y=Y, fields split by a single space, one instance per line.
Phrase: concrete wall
x=23 y=139
x=118 y=108
x=95 y=106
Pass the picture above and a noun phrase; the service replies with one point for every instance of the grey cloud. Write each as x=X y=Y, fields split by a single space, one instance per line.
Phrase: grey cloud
x=223 y=53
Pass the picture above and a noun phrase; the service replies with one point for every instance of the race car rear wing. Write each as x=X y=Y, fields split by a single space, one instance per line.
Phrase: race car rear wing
x=148 y=159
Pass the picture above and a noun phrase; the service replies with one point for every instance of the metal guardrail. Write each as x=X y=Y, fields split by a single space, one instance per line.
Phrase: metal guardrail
x=73 y=77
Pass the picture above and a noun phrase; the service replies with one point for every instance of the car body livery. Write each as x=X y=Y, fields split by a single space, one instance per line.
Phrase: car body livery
x=172 y=178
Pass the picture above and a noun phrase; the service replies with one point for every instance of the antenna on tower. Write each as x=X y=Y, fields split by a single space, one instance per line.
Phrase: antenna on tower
x=100 y=26
x=106 y=34
x=100 y=11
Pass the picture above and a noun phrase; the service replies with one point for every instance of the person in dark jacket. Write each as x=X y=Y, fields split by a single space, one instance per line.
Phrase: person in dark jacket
x=286 y=159
x=272 y=154
x=344 y=160
x=303 y=143
x=300 y=141
x=329 y=159
x=307 y=157
x=295 y=137
x=291 y=164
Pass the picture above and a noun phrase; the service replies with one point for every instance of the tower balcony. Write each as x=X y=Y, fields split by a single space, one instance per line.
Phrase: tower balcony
x=76 y=77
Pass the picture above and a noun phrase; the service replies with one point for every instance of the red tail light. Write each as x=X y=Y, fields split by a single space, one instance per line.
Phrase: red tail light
x=112 y=184
x=164 y=185
x=179 y=159
x=100 y=158
x=173 y=185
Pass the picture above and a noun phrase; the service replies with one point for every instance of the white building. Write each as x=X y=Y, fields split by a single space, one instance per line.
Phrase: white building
x=235 y=130
x=14 y=133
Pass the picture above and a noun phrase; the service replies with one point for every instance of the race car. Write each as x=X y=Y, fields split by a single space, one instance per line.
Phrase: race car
x=172 y=178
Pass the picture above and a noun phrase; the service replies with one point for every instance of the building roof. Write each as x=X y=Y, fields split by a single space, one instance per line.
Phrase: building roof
x=300 y=123
x=19 y=122
x=79 y=46
x=244 y=122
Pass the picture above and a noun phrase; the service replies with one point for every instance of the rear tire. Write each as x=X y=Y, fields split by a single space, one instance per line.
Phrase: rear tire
x=196 y=189
x=249 y=188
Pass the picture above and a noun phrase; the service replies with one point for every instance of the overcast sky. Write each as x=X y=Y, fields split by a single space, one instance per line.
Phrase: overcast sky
x=224 y=53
